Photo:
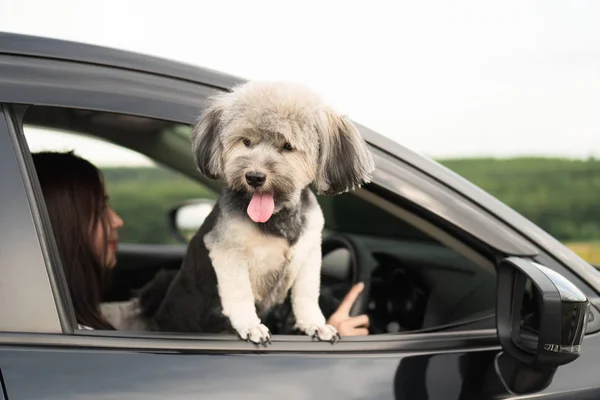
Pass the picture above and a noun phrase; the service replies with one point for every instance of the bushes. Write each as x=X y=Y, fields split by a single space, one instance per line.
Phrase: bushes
x=559 y=195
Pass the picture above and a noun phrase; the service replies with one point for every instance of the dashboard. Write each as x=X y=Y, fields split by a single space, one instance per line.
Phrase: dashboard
x=414 y=285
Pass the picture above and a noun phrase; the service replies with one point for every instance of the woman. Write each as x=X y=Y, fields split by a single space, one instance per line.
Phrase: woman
x=85 y=228
x=86 y=232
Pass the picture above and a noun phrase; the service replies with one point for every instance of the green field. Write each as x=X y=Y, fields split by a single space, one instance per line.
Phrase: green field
x=562 y=196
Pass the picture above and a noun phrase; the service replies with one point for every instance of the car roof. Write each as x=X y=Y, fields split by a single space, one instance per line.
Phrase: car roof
x=37 y=46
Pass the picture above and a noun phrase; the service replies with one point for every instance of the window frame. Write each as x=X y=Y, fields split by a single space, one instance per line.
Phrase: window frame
x=165 y=341
x=416 y=222
x=144 y=95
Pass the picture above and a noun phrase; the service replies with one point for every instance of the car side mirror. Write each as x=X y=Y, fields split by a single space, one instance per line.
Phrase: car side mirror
x=541 y=319
x=187 y=217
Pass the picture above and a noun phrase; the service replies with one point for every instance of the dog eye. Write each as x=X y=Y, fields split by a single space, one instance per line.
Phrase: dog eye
x=246 y=142
x=287 y=146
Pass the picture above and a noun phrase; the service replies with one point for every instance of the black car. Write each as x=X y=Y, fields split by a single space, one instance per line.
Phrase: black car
x=467 y=299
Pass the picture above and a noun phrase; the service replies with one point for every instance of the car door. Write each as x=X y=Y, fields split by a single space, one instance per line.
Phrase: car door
x=43 y=356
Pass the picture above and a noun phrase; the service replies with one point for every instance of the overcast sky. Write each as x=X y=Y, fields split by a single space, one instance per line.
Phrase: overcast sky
x=445 y=78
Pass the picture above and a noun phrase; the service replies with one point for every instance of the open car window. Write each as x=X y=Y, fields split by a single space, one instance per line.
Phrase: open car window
x=418 y=282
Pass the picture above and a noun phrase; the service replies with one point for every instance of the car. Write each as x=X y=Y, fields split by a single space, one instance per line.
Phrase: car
x=467 y=299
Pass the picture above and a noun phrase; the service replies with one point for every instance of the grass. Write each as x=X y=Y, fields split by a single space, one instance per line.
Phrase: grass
x=589 y=251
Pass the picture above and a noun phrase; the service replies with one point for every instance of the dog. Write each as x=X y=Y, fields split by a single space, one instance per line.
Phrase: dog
x=269 y=142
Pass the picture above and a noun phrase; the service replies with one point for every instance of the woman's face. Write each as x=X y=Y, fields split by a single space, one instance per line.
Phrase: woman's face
x=106 y=244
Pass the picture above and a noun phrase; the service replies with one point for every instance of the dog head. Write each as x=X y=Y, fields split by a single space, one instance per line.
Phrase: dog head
x=271 y=140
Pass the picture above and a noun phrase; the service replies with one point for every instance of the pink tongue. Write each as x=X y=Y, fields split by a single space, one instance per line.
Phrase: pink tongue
x=261 y=207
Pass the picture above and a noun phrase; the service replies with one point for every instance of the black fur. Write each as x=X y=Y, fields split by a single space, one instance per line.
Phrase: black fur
x=190 y=301
x=348 y=163
x=205 y=136
x=152 y=294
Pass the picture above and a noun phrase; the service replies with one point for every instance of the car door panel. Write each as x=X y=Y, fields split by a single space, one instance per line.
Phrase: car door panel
x=81 y=374
x=580 y=377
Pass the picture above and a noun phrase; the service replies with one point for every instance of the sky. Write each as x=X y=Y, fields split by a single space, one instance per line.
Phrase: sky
x=444 y=78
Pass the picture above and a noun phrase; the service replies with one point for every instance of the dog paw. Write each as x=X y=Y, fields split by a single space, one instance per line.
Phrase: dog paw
x=258 y=334
x=325 y=333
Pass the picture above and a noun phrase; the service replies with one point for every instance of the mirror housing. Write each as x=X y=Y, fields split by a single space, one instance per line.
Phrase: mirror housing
x=187 y=217
x=541 y=319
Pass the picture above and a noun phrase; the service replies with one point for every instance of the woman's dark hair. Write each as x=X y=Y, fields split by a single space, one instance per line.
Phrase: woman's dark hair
x=73 y=190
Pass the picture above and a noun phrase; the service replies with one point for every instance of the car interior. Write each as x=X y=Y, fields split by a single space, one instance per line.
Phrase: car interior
x=415 y=279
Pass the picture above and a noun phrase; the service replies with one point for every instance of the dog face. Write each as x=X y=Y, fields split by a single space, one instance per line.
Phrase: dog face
x=271 y=140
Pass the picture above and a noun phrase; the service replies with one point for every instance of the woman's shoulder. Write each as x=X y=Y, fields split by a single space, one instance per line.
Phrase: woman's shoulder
x=84 y=327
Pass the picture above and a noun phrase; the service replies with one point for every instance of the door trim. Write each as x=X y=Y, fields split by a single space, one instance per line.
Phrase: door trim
x=433 y=343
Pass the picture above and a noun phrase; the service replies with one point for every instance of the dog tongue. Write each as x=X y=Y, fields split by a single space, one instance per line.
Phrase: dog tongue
x=261 y=207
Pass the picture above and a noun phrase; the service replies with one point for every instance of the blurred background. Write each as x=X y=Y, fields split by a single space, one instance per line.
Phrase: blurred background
x=506 y=94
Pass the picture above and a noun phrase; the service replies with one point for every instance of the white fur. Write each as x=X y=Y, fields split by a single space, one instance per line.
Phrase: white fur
x=236 y=259
x=240 y=261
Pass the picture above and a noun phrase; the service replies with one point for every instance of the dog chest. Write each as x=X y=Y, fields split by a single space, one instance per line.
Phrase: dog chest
x=267 y=258
x=246 y=245
x=268 y=266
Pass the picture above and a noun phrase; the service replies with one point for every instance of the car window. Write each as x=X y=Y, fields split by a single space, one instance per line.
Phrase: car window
x=418 y=281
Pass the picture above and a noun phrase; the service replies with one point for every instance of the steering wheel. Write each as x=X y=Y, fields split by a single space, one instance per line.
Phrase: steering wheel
x=361 y=266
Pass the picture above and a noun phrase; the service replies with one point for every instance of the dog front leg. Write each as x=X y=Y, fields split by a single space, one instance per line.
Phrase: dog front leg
x=237 y=299
x=305 y=299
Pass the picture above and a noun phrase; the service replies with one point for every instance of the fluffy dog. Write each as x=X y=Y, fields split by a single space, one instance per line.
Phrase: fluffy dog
x=269 y=142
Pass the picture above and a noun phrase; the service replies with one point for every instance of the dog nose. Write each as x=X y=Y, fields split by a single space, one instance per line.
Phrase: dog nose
x=255 y=178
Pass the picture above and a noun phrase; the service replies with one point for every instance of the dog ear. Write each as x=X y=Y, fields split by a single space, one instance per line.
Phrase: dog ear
x=205 y=141
x=345 y=162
